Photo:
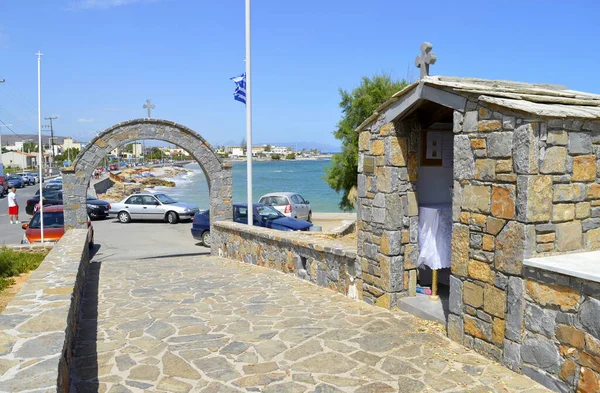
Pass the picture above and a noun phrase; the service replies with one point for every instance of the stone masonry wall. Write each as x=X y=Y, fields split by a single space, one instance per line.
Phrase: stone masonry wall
x=561 y=343
x=388 y=219
x=522 y=188
x=321 y=261
x=37 y=328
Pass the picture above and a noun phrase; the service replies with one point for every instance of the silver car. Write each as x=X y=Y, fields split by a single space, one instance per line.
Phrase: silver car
x=29 y=179
x=152 y=207
x=290 y=204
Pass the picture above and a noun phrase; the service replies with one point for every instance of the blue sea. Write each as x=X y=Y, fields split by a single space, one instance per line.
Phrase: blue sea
x=303 y=177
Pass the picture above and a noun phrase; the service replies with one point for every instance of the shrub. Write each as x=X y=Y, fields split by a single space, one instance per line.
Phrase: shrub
x=13 y=263
x=275 y=157
x=290 y=156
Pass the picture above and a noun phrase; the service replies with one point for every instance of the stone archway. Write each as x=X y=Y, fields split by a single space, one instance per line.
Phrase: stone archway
x=76 y=178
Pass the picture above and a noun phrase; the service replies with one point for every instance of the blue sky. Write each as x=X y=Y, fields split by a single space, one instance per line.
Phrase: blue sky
x=103 y=58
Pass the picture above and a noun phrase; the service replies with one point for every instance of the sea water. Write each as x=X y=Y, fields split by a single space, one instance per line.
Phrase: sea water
x=304 y=177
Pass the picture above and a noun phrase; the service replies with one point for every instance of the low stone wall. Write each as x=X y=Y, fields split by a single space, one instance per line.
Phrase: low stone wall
x=31 y=248
x=561 y=336
x=103 y=185
x=321 y=261
x=38 y=326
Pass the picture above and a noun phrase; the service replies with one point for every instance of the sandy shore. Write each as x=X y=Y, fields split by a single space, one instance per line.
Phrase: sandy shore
x=132 y=180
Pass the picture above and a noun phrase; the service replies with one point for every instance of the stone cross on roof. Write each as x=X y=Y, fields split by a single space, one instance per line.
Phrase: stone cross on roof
x=425 y=59
x=149 y=106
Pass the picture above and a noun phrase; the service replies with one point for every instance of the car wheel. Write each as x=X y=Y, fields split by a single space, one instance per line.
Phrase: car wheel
x=309 y=217
x=206 y=238
x=124 y=217
x=172 y=218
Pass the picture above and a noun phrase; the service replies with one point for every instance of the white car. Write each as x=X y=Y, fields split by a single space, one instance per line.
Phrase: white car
x=290 y=204
x=29 y=179
x=152 y=207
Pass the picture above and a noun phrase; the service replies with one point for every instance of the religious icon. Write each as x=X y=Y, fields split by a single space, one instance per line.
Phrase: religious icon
x=434 y=145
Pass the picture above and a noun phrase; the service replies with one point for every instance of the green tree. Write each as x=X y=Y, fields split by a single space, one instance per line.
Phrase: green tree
x=291 y=156
x=29 y=147
x=275 y=157
x=66 y=155
x=356 y=106
x=268 y=148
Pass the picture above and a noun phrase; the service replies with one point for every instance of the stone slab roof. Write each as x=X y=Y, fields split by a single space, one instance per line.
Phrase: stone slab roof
x=549 y=101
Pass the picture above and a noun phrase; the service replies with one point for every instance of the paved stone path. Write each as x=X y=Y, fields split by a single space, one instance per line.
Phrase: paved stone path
x=203 y=324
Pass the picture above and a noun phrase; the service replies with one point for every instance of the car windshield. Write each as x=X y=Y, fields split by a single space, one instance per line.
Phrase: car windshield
x=51 y=220
x=13 y=177
x=268 y=213
x=274 y=200
x=163 y=198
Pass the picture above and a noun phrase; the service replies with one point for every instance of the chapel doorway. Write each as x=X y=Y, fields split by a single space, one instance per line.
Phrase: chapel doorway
x=434 y=194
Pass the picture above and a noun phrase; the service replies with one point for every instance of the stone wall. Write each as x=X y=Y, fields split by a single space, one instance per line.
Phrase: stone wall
x=561 y=341
x=387 y=210
x=37 y=328
x=324 y=262
x=100 y=187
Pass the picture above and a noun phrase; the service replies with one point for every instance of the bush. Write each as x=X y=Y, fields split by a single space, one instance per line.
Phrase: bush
x=290 y=156
x=13 y=263
x=275 y=157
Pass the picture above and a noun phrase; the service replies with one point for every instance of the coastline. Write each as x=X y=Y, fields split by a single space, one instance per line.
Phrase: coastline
x=323 y=157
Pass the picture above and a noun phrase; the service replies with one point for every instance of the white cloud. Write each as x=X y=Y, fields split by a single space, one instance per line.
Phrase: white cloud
x=84 y=120
x=103 y=4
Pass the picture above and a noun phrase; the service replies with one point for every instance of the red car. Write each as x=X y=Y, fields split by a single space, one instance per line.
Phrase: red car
x=113 y=167
x=54 y=227
x=4 y=184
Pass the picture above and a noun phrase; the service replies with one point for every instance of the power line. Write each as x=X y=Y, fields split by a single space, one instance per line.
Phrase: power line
x=11 y=130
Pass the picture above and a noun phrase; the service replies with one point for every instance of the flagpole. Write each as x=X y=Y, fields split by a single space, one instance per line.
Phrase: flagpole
x=40 y=162
x=249 y=117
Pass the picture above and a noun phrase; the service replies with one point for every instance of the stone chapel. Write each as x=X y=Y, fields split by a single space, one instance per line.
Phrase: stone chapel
x=508 y=176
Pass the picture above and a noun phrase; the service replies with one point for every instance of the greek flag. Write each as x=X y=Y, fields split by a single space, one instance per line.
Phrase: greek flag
x=240 y=88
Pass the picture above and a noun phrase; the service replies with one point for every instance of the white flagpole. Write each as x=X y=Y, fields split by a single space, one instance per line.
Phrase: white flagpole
x=249 y=117
x=40 y=162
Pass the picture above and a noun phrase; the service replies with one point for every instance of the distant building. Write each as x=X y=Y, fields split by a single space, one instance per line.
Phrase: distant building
x=68 y=143
x=16 y=159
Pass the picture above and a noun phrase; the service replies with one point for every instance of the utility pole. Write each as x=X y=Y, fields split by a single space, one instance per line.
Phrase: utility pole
x=1 y=81
x=52 y=136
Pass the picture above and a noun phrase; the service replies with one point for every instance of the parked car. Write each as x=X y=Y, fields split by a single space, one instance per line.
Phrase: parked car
x=52 y=186
x=97 y=208
x=4 y=183
x=54 y=227
x=15 y=181
x=36 y=177
x=29 y=179
x=288 y=203
x=51 y=198
x=152 y=207
x=113 y=167
x=263 y=216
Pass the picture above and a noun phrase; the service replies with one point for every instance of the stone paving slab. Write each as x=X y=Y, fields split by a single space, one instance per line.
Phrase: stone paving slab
x=210 y=325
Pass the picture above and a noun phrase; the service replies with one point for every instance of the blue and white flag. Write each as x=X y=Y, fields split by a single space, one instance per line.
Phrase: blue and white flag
x=240 y=88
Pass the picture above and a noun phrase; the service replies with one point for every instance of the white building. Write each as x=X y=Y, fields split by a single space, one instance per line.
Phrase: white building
x=281 y=150
x=70 y=144
x=16 y=159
